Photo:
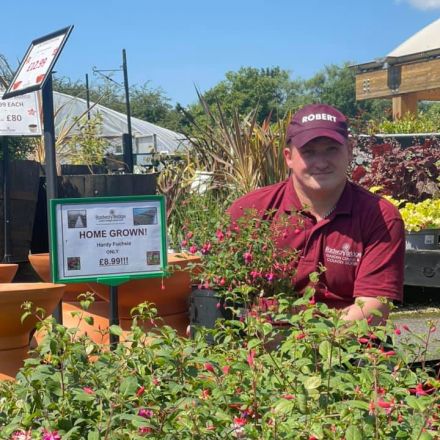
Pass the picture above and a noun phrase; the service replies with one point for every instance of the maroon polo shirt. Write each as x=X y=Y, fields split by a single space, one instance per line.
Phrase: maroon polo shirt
x=361 y=243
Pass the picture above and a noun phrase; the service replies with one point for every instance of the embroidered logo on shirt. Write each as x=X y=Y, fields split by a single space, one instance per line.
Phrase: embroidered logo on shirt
x=343 y=255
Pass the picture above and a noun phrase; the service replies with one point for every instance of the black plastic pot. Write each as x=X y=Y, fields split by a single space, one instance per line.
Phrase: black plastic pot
x=205 y=308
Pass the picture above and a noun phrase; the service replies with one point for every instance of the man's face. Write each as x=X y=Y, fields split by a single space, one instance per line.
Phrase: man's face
x=320 y=165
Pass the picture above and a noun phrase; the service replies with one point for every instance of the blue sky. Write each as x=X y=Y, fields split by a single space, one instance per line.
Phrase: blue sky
x=178 y=44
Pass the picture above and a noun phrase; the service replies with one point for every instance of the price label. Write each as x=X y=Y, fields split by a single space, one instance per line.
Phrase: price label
x=113 y=261
x=102 y=239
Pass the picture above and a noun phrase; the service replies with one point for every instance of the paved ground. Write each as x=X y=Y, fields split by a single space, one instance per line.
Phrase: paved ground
x=421 y=305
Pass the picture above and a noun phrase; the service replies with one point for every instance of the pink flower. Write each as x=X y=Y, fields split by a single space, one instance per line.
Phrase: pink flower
x=239 y=421
x=270 y=277
x=184 y=243
x=288 y=396
x=300 y=336
x=140 y=391
x=406 y=328
x=209 y=367
x=226 y=369
x=145 y=430
x=297 y=231
x=219 y=234
x=363 y=340
x=421 y=390
x=146 y=413
x=397 y=331
x=48 y=435
x=384 y=404
x=189 y=235
x=247 y=257
x=193 y=249
x=251 y=358
x=206 y=248
x=88 y=390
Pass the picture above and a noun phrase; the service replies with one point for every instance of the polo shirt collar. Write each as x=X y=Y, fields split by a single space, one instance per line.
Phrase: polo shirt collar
x=343 y=206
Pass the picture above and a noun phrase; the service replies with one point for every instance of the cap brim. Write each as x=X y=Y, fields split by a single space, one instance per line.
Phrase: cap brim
x=308 y=135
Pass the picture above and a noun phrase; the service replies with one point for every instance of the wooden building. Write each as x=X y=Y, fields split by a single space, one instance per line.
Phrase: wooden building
x=408 y=74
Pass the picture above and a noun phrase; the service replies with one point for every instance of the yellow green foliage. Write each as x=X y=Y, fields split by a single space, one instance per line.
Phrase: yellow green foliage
x=423 y=215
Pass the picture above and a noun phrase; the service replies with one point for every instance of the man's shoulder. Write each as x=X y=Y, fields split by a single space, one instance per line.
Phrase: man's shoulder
x=365 y=202
x=261 y=199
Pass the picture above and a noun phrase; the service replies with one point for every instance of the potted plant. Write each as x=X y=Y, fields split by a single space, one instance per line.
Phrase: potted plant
x=241 y=266
x=422 y=223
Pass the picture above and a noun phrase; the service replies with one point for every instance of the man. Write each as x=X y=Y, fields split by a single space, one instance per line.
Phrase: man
x=356 y=235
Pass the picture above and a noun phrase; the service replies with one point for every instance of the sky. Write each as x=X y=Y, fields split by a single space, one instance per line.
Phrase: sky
x=178 y=45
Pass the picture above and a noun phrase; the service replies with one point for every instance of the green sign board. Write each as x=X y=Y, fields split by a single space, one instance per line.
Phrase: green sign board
x=108 y=240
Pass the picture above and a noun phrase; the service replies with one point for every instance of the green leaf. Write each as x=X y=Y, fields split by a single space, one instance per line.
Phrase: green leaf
x=115 y=330
x=312 y=383
x=353 y=433
x=324 y=349
x=128 y=386
x=89 y=320
x=93 y=435
x=425 y=436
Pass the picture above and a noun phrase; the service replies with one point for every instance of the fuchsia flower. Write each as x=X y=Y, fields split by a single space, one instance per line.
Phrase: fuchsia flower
x=88 y=390
x=184 y=243
x=193 y=249
x=206 y=248
x=226 y=369
x=145 y=430
x=219 y=234
x=145 y=413
x=48 y=435
x=247 y=257
x=397 y=331
x=239 y=421
x=421 y=390
x=140 y=391
x=209 y=367
x=251 y=358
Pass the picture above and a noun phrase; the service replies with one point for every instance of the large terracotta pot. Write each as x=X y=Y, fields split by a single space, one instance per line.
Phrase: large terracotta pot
x=7 y=272
x=73 y=317
x=14 y=335
x=41 y=264
x=170 y=295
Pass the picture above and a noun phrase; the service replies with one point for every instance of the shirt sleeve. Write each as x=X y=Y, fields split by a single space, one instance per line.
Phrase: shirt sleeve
x=380 y=271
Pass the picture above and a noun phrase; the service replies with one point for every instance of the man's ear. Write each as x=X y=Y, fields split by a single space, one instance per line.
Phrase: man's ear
x=287 y=153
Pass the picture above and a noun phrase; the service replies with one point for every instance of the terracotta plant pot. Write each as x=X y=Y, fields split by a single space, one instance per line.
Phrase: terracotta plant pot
x=171 y=299
x=41 y=264
x=14 y=335
x=7 y=272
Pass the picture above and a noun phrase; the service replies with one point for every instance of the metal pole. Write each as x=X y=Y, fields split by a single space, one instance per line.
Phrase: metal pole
x=51 y=168
x=6 y=201
x=129 y=145
x=88 y=96
x=114 y=315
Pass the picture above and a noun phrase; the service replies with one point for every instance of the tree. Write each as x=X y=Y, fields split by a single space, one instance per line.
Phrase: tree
x=246 y=89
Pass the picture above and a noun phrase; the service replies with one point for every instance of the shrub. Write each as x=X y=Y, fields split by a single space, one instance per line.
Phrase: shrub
x=409 y=174
x=327 y=380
